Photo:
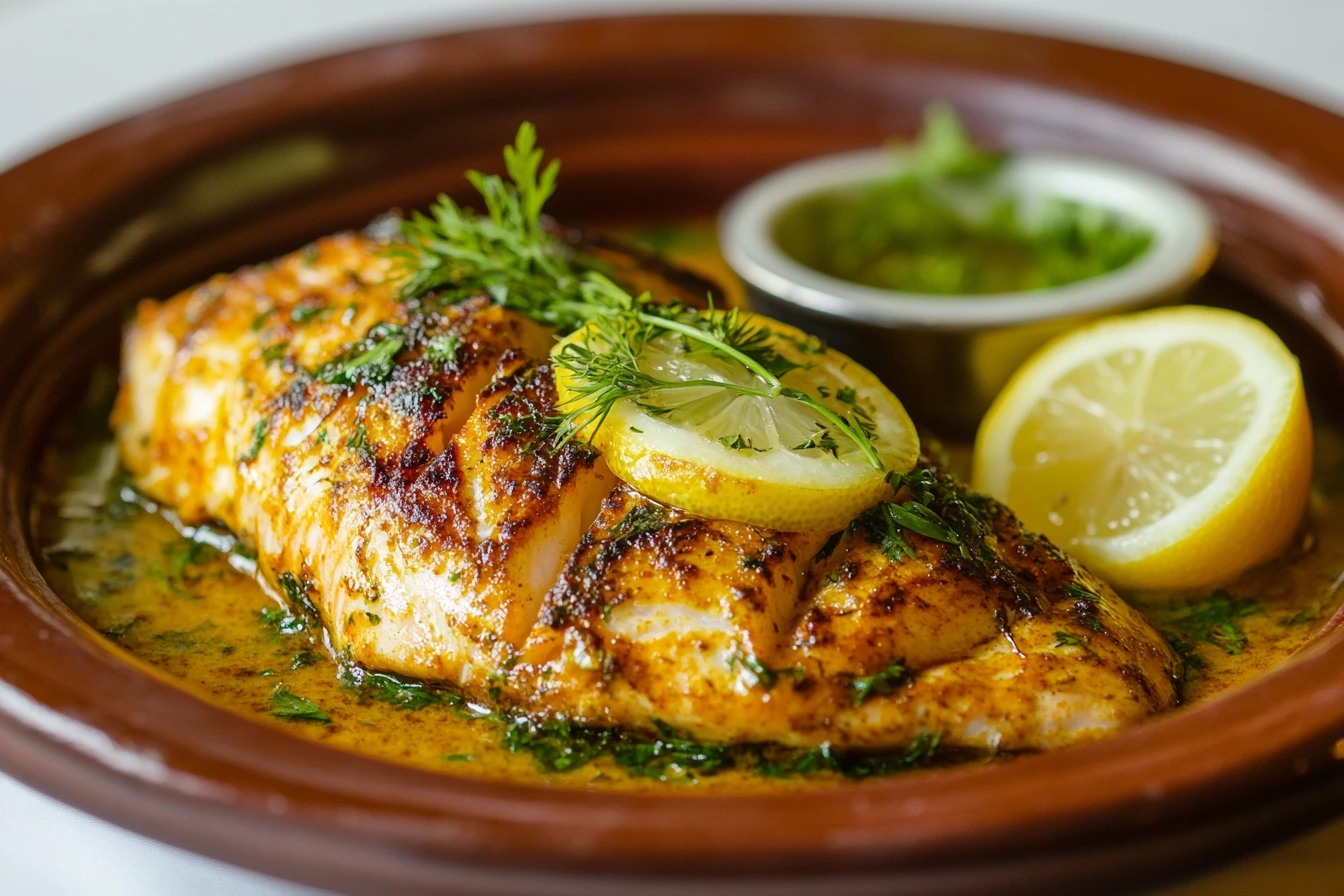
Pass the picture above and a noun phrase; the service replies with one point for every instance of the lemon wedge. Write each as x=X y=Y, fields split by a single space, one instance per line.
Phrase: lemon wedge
x=1165 y=449
x=721 y=450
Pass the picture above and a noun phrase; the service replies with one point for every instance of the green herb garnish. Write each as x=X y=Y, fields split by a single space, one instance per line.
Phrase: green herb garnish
x=359 y=440
x=858 y=765
x=1081 y=592
x=637 y=521
x=508 y=255
x=369 y=362
x=305 y=657
x=883 y=682
x=286 y=704
x=283 y=622
x=736 y=443
x=258 y=439
x=442 y=349
x=562 y=746
x=274 y=352
x=942 y=226
x=404 y=693
x=303 y=313
x=760 y=674
x=1213 y=620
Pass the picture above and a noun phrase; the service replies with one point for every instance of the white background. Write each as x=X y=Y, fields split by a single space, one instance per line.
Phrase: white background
x=68 y=65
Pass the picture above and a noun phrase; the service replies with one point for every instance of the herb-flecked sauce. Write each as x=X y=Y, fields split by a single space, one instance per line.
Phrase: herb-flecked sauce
x=192 y=610
x=939 y=226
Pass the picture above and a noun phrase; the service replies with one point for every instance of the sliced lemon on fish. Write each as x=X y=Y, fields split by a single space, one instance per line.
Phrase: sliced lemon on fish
x=1166 y=449
x=714 y=445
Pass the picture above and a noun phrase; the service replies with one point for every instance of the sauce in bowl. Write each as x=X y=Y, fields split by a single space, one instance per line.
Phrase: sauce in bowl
x=944 y=224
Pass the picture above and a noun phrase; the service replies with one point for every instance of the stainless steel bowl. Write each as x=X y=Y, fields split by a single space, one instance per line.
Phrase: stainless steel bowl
x=945 y=356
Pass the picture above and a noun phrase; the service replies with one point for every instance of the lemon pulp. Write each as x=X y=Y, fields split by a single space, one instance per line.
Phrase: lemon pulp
x=769 y=461
x=1166 y=449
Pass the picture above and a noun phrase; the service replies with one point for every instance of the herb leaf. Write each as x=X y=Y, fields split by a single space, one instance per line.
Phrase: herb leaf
x=1213 y=620
x=737 y=443
x=369 y=362
x=286 y=704
x=258 y=439
x=883 y=682
x=508 y=255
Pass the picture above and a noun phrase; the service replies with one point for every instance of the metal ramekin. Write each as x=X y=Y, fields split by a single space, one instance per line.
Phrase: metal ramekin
x=946 y=357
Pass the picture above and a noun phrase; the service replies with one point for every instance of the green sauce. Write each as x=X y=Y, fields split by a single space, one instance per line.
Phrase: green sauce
x=940 y=226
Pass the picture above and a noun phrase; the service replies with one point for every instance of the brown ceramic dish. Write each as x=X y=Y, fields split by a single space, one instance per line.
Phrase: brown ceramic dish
x=651 y=115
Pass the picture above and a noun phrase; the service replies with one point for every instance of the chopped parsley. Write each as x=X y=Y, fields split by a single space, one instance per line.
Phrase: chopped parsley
x=879 y=683
x=760 y=674
x=258 y=439
x=305 y=657
x=821 y=440
x=119 y=630
x=274 y=352
x=403 y=693
x=286 y=704
x=260 y=320
x=737 y=443
x=369 y=362
x=283 y=622
x=442 y=349
x=1081 y=592
x=562 y=746
x=303 y=313
x=918 y=754
x=359 y=440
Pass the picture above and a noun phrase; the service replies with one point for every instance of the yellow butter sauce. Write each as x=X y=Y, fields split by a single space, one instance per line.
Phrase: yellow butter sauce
x=184 y=608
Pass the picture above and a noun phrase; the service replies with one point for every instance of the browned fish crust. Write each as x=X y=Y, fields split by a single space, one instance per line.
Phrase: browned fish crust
x=392 y=463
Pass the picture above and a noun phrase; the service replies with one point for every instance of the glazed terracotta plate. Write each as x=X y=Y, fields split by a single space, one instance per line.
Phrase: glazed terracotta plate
x=654 y=118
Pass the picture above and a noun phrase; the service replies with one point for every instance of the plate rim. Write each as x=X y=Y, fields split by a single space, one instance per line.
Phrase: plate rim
x=1292 y=754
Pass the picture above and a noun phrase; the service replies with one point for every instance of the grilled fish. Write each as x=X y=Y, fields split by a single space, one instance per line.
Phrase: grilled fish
x=392 y=464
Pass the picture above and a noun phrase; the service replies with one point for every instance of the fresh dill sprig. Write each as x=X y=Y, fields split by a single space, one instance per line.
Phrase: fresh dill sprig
x=1214 y=620
x=508 y=255
x=606 y=366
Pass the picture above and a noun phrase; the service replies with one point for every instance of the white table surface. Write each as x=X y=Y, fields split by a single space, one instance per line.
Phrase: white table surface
x=69 y=65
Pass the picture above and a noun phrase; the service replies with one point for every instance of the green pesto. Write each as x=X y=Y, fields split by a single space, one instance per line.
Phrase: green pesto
x=906 y=233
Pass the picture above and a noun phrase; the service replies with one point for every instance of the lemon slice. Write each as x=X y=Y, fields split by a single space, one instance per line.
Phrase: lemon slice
x=1166 y=449
x=770 y=461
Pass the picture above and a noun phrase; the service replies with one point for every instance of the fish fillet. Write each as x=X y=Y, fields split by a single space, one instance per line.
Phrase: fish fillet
x=391 y=464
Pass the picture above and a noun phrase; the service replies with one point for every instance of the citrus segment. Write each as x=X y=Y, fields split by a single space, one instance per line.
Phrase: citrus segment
x=1166 y=449
x=721 y=450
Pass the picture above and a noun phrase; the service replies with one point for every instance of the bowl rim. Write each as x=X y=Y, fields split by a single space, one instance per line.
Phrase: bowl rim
x=196 y=775
x=1183 y=247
